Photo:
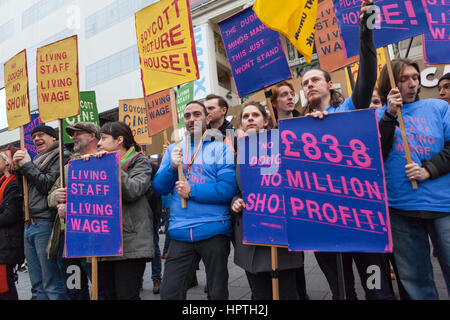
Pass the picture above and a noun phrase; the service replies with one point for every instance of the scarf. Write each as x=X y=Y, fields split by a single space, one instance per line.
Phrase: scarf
x=43 y=160
x=4 y=183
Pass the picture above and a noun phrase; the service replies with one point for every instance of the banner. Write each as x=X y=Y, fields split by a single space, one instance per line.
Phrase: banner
x=436 y=41
x=184 y=95
x=133 y=113
x=166 y=45
x=293 y=18
x=397 y=20
x=202 y=86
x=27 y=130
x=255 y=52
x=159 y=112
x=16 y=89
x=328 y=41
x=264 y=220
x=93 y=210
x=57 y=80
x=88 y=113
x=334 y=185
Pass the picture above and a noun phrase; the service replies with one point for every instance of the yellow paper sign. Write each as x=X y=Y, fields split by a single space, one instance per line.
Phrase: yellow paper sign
x=57 y=80
x=16 y=87
x=166 y=45
x=133 y=112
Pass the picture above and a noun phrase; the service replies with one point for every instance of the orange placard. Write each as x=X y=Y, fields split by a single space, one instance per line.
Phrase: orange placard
x=159 y=110
x=166 y=45
x=17 y=94
x=57 y=80
x=132 y=112
x=328 y=41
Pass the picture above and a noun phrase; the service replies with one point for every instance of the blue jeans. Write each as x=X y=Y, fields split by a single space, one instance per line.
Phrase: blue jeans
x=412 y=253
x=46 y=275
x=156 y=261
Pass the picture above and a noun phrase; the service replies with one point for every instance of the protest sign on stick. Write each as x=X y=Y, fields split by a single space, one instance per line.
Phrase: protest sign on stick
x=158 y=108
x=436 y=42
x=133 y=113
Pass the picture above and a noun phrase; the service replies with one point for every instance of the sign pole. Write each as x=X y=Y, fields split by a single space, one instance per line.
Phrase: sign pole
x=399 y=115
x=176 y=137
x=94 y=279
x=274 y=273
x=24 y=179
x=268 y=94
x=340 y=275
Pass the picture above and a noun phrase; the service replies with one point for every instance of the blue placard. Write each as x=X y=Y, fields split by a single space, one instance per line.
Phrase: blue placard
x=334 y=189
x=254 y=51
x=436 y=42
x=264 y=219
x=27 y=129
x=93 y=212
x=398 y=20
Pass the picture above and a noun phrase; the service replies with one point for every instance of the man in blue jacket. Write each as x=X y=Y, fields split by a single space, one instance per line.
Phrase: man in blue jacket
x=202 y=230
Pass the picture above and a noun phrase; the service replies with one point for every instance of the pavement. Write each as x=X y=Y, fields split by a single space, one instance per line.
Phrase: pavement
x=316 y=284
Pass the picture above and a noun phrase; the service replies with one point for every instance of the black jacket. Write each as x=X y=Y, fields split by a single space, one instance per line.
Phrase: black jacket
x=11 y=226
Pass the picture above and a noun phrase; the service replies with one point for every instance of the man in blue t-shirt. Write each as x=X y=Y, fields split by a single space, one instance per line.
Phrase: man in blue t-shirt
x=202 y=230
x=416 y=214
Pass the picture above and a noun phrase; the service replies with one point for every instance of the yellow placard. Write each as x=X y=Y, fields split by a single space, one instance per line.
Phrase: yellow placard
x=57 y=80
x=16 y=87
x=133 y=112
x=166 y=45
x=354 y=67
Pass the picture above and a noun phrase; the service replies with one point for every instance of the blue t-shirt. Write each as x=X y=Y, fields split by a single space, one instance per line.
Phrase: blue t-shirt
x=427 y=126
x=347 y=105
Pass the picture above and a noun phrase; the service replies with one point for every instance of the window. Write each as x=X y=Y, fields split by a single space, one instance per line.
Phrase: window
x=40 y=10
x=6 y=31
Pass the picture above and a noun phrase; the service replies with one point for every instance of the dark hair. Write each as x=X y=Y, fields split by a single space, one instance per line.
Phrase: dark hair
x=119 y=128
x=336 y=98
x=221 y=100
x=384 y=83
x=197 y=102
x=261 y=108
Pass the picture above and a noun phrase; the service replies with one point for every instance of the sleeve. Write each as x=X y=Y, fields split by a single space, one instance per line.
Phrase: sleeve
x=42 y=180
x=136 y=181
x=367 y=74
x=387 y=126
x=165 y=178
x=13 y=201
x=51 y=200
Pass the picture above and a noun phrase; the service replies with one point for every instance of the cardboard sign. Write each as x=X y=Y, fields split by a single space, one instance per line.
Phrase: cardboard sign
x=264 y=220
x=397 y=20
x=436 y=42
x=57 y=80
x=328 y=41
x=159 y=112
x=27 y=129
x=93 y=210
x=166 y=45
x=88 y=113
x=184 y=95
x=16 y=89
x=133 y=113
x=334 y=184
x=255 y=52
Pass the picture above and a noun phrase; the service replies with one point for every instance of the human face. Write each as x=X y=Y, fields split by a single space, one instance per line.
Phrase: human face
x=285 y=99
x=42 y=141
x=215 y=112
x=109 y=144
x=376 y=100
x=81 y=140
x=195 y=119
x=444 y=90
x=408 y=84
x=252 y=119
x=316 y=87
x=3 y=165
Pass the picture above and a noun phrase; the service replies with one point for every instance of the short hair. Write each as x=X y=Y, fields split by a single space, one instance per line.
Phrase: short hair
x=197 y=102
x=384 y=83
x=221 y=100
x=444 y=77
x=261 y=108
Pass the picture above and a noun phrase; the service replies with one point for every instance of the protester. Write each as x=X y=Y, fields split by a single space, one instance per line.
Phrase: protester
x=120 y=277
x=85 y=136
x=47 y=278
x=375 y=102
x=202 y=230
x=283 y=101
x=165 y=218
x=444 y=87
x=11 y=226
x=415 y=213
x=256 y=260
x=217 y=108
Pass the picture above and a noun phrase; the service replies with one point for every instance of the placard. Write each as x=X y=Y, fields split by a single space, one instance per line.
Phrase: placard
x=133 y=112
x=159 y=114
x=436 y=42
x=27 y=130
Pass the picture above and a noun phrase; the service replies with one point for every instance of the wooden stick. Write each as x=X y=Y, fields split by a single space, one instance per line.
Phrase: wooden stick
x=399 y=115
x=94 y=279
x=166 y=140
x=275 y=283
x=24 y=180
x=341 y=277
x=177 y=138
x=268 y=94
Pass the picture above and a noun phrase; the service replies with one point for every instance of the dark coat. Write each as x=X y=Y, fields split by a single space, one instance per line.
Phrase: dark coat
x=11 y=226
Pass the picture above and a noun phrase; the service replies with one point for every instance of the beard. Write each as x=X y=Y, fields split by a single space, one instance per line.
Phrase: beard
x=81 y=145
